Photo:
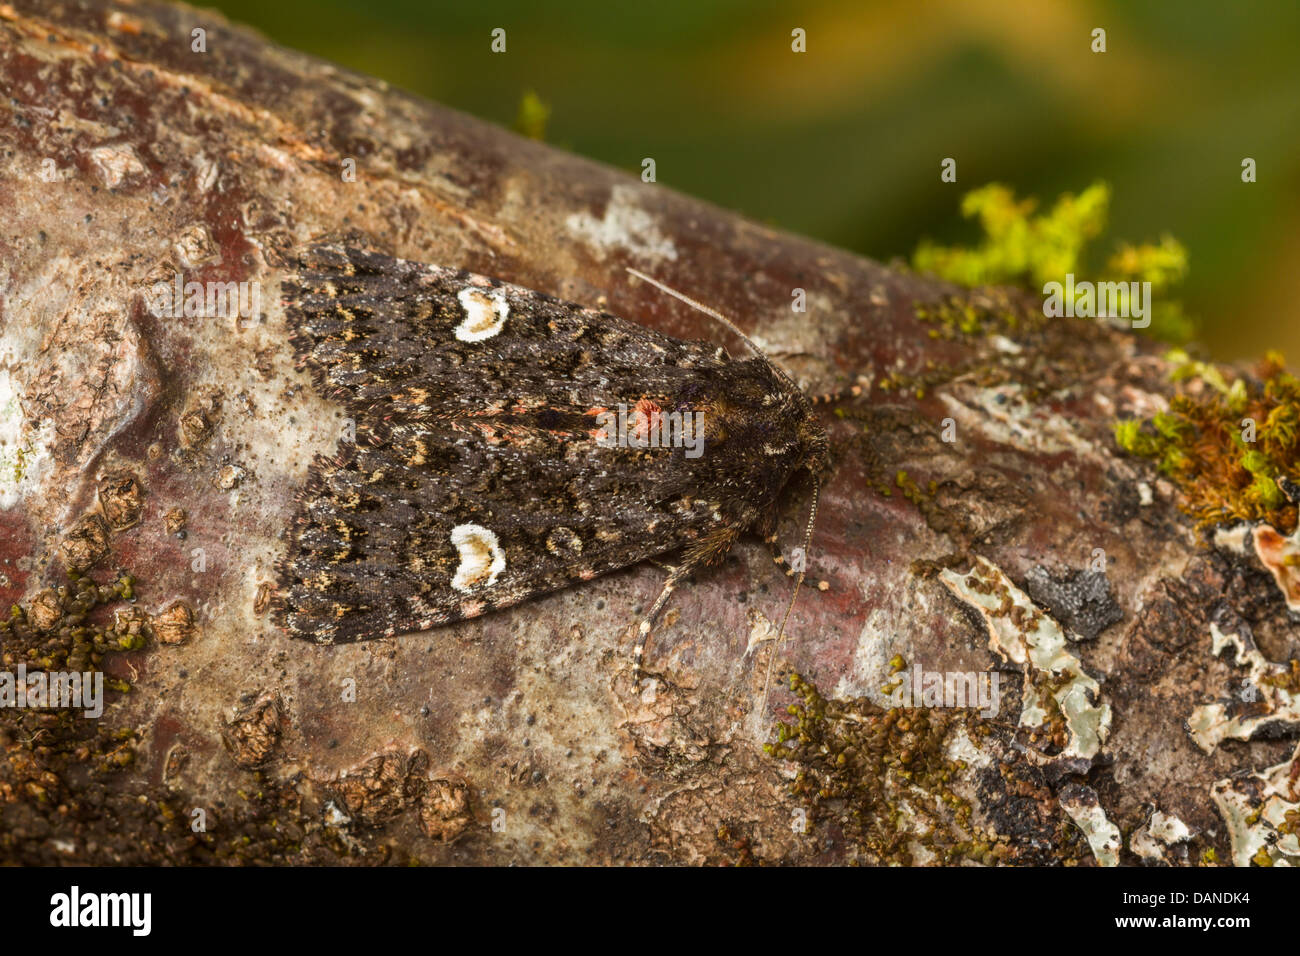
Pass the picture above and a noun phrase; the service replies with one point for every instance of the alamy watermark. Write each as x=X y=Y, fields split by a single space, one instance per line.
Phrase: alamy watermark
x=922 y=688
x=646 y=425
x=205 y=300
x=1099 y=300
x=50 y=689
x=76 y=909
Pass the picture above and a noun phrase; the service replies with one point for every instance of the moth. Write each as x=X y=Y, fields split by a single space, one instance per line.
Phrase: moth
x=505 y=447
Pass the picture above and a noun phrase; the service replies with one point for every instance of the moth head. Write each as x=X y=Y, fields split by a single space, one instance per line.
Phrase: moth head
x=781 y=403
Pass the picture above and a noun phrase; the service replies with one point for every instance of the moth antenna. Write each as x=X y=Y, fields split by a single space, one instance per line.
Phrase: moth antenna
x=817 y=485
x=717 y=316
x=798 y=583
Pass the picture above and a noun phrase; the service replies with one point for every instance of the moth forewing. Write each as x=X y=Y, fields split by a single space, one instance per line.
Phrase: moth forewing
x=508 y=446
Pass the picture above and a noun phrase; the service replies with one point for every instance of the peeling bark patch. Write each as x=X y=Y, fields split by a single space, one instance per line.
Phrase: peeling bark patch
x=121 y=499
x=196 y=247
x=175 y=625
x=1022 y=633
x=391 y=783
x=174 y=520
x=85 y=544
x=445 y=811
x=177 y=757
x=381 y=788
x=45 y=611
x=253 y=734
x=229 y=477
x=116 y=163
x=196 y=422
x=85 y=365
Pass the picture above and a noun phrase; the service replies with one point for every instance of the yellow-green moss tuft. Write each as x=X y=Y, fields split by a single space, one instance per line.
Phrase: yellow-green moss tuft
x=534 y=113
x=1020 y=248
x=1226 y=445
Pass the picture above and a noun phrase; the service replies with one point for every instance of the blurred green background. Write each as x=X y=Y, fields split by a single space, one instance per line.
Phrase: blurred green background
x=843 y=142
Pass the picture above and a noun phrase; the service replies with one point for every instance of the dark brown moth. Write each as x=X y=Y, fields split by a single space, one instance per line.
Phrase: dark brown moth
x=490 y=464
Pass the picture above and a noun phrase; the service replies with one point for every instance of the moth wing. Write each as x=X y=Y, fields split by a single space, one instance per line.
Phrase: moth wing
x=411 y=549
x=483 y=472
x=410 y=341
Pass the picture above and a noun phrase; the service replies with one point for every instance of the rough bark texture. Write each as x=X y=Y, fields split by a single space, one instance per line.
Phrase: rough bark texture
x=129 y=158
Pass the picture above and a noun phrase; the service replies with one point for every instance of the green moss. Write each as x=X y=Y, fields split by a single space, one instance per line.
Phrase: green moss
x=912 y=491
x=533 y=115
x=18 y=464
x=66 y=774
x=1020 y=248
x=860 y=767
x=1017 y=246
x=1203 y=443
x=978 y=314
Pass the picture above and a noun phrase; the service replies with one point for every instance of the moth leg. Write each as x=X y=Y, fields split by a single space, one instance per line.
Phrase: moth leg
x=765 y=526
x=643 y=629
x=837 y=395
x=712 y=549
x=777 y=557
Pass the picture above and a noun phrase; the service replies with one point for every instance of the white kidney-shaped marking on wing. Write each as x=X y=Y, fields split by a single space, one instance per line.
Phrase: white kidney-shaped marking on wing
x=485 y=314
x=481 y=557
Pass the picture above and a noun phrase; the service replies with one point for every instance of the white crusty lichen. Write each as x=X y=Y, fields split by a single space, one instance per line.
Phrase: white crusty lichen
x=1272 y=706
x=1262 y=810
x=1085 y=810
x=625 y=227
x=1152 y=839
x=1022 y=633
x=1232 y=540
x=1003 y=415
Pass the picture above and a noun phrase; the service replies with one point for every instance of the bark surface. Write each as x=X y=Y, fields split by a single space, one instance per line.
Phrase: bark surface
x=978 y=518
